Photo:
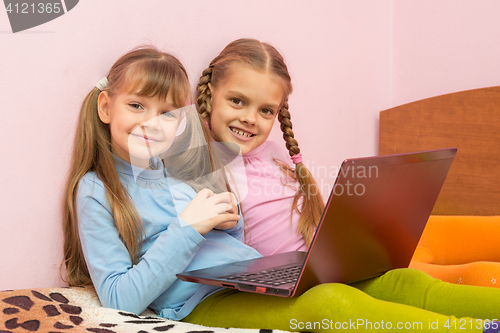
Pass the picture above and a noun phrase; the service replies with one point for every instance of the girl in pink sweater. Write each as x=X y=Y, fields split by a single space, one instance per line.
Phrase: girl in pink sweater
x=240 y=95
x=240 y=102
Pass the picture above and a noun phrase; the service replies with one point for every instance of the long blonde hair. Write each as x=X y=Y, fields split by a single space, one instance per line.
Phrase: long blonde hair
x=148 y=72
x=265 y=58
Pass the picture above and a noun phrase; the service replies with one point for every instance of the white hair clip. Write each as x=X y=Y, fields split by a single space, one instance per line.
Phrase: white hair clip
x=102 y=84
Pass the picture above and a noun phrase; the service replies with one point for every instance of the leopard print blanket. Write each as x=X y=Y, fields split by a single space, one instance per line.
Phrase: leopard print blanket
x=78 y=309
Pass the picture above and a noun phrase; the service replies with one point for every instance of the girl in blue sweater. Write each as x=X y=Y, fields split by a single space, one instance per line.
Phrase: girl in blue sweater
x=142 y=201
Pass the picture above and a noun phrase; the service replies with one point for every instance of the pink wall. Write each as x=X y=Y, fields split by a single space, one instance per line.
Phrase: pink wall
x=348 y=60
x=444 y=46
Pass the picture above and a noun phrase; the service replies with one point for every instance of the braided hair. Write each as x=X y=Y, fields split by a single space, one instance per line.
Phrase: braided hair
x=264 y=57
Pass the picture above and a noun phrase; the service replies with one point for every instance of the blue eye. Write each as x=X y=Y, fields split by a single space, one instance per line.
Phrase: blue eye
x=169 y=114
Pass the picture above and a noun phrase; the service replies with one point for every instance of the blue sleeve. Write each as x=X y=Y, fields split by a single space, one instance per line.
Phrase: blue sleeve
x=182 y=198
x=120 y=284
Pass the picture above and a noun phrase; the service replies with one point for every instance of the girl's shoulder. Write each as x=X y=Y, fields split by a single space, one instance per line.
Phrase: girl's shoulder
x=91 y=178
x=91 y=185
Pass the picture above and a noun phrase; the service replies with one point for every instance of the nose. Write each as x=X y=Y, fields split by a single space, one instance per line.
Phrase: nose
x=151 y=120
x=249 y=116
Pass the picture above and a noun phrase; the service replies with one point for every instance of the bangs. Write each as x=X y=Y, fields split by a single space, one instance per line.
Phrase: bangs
x=153 y=78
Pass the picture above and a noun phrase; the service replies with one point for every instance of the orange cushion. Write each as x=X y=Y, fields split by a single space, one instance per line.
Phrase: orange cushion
x=461 y=249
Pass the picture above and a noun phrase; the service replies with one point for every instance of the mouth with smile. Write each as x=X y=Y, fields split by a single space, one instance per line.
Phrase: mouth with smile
x=145 y=137
x=240 y=133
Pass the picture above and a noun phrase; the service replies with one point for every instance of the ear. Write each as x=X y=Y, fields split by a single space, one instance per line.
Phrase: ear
x=103 y=107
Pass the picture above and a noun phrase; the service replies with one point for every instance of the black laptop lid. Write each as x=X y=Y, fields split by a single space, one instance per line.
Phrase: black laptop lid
x=375 y=216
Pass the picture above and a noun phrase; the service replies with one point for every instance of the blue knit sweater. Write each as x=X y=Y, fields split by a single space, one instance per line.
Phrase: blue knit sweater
x=170 y=245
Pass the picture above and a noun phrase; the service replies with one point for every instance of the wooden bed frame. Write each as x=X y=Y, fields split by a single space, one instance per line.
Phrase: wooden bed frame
x=468 y=120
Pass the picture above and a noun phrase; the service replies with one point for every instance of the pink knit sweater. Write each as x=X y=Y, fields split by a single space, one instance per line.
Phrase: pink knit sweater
x=267 y=205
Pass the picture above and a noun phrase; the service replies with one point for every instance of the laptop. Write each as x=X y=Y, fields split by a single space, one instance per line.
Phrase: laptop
x=373 y=220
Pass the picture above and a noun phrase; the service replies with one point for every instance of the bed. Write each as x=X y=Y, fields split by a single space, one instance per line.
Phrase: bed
x=77 y=309
x=460 y=241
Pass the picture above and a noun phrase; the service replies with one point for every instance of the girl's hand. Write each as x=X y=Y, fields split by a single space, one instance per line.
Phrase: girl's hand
x=230 y=224
x=208 y=210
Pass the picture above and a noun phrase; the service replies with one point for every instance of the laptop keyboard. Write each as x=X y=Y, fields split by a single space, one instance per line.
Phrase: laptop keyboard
x=273 y=276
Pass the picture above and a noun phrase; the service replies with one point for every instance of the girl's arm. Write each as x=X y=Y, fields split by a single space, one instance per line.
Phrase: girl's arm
x=234 y=227
x=118 y=283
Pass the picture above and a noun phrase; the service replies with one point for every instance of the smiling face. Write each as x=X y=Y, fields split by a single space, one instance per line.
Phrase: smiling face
x=141 y=127
x=244 y=106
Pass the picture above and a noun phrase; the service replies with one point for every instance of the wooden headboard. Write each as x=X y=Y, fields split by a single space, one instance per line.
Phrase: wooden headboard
x=468 y=120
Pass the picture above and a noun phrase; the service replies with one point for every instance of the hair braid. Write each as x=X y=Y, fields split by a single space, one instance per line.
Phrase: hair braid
x=204 y=99
x=286 y=127
x=312 y=204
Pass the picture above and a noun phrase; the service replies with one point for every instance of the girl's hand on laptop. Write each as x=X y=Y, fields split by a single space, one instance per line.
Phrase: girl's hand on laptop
x=209 y=210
